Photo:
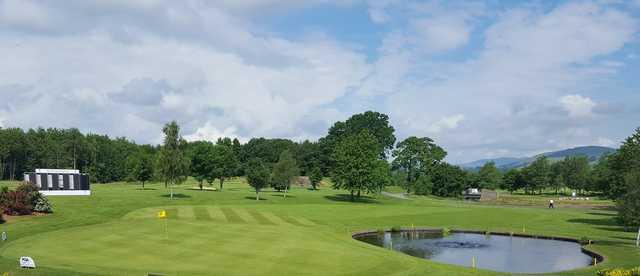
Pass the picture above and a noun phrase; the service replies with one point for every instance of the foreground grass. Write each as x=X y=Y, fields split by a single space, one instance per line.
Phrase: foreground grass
x=115 y=232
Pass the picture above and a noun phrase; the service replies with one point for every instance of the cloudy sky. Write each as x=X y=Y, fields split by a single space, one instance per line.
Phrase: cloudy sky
x=484 y=79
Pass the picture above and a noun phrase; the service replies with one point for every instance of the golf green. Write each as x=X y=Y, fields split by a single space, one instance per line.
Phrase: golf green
x=116 y=231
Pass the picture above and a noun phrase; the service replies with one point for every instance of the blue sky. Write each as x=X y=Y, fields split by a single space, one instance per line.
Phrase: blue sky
x=483 y=78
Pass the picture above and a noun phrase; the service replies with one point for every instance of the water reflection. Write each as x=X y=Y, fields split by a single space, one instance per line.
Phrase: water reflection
x=493 y=252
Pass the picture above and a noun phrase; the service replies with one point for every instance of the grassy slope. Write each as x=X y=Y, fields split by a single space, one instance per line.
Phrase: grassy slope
x=114 y=231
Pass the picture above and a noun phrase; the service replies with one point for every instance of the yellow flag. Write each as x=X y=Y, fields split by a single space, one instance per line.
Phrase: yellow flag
x=162 y=214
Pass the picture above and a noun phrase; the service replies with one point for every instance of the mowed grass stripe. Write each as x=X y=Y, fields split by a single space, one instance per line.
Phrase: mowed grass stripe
x=216 y=214
x=231 y=215
x=289 y=220
x=272 y=217
x=260 y=218
x=305 y=221
x=244 y=215
x=202 y=213
x=172 y=213
x=186 y=212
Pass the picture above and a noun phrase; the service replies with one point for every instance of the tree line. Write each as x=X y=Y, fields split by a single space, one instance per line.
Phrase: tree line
x=355 y=153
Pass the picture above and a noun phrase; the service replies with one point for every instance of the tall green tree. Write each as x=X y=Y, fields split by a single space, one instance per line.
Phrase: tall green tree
x=417 y=156
x=284 y=172
x=448 y=180
x=315 y=177
x=358 y=167
x=257 y=175
x=143 y=170
x=175 y=165
x=513 y=180
x=629 y=204
x=202 y=160
x=377 y=124
x=489 y=177
x=225 y=163
x=537 y=175
x=576 y=171
x=624 y=162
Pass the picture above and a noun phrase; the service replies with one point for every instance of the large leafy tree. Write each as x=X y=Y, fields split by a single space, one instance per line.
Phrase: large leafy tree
x=537 y=174
x=202 y=160
x=629 y=204
x=416 y=156
x=315 y=177
x=257 y=175
x=623 y=163
x=575 y=172
x=284 y=172
x=448 y=180
x=377 y=124
x=489 y=176
x=143 y=169
x=513 y=180
x=358 y=167
x=225 y=163
x=175 y=165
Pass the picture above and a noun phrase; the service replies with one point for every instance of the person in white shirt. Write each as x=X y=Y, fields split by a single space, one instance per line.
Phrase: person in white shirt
x=551 y=204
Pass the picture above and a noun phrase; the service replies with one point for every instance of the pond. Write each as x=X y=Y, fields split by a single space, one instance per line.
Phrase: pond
x=492 y=252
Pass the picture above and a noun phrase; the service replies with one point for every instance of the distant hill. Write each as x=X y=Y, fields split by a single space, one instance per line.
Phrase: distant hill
x=593 y=153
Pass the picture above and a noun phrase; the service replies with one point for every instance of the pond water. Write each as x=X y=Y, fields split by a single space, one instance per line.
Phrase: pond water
x=493 y=252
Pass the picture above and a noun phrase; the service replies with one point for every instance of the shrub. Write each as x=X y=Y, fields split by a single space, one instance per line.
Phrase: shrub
x=31 y=191
x=43 y=205
x=396 y=229
x=18 y=204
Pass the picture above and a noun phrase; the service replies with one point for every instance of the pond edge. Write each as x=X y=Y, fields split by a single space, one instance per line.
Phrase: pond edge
x=599 y=257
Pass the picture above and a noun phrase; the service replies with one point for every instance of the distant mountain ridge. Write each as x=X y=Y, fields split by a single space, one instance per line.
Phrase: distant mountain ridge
x=593 y=153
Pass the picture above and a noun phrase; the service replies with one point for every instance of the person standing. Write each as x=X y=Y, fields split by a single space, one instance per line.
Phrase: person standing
x=551 y=204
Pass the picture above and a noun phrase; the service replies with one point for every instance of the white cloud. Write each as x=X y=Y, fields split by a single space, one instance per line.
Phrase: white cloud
x=577 y=106
x=606 y=142
x=446 y=123
x=265 y=85
x=209 y=132
x=441 y=33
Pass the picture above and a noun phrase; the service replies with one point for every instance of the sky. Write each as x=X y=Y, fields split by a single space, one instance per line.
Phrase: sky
x=484 y=79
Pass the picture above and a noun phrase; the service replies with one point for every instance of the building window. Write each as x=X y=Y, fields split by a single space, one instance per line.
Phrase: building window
x=61 y=181
x=39 y=180
x=50 y=181
x=71 y=184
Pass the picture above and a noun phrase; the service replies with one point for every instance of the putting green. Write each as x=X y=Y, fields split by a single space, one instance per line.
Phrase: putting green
x=204 y=240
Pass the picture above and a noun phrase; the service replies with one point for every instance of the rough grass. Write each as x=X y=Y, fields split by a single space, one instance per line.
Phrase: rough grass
x=115 y=231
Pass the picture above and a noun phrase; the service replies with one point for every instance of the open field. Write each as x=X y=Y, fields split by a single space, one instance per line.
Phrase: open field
x=115 y=232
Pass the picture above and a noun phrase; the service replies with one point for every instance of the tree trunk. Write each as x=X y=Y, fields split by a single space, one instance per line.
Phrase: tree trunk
x=171 y=190
x=201 y=185
x=257 y=195
x=285 y=191
x=358 y=196
x=221 y=182
x=352 y=195
x=13 y=169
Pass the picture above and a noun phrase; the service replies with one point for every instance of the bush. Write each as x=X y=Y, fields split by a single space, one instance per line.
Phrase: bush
x=23 y=201
x=18 y=204
x=620 y=272
x=43 y=205
x=396 y=229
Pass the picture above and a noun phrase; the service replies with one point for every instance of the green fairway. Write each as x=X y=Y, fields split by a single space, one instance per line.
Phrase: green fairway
x=116 y=231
